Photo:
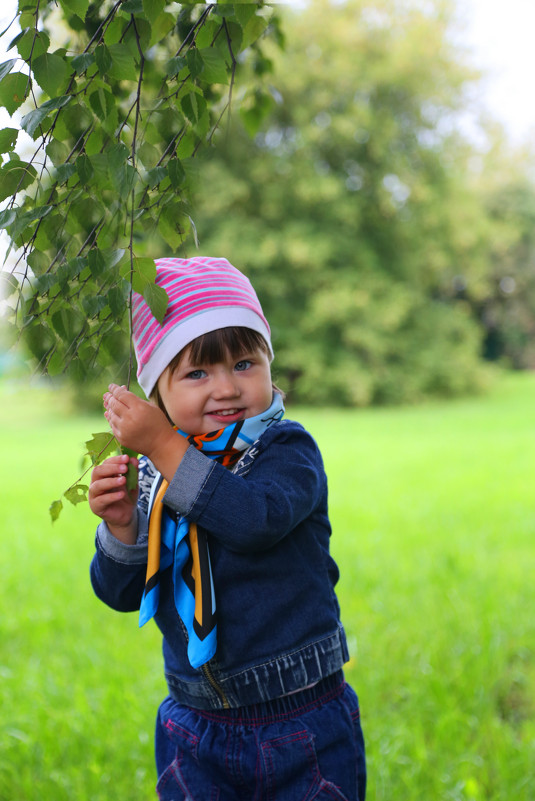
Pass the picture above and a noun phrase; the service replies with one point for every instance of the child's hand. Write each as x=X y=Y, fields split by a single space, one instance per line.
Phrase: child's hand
x=109 y=497
x=144 y=428
x=136 y=423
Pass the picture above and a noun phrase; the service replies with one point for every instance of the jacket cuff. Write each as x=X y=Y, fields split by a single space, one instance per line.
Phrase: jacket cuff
x=120 y=551
x=188 y=481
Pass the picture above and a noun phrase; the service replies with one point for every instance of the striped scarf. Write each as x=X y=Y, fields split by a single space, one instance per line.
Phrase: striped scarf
x=180 y=544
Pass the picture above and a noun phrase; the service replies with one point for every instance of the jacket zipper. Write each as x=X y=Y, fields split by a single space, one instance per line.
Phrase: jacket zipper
x=206 y=669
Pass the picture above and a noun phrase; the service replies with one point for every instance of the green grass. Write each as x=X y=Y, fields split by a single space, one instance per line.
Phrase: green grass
x=433 y=515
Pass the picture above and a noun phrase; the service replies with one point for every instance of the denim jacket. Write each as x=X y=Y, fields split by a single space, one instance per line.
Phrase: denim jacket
x=278 y=624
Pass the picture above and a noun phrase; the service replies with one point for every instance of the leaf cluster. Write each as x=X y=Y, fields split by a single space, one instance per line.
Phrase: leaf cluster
x=114 y=99
x=97 y=449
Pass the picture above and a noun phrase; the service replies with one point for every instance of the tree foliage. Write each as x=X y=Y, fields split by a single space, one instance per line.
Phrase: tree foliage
x=356 y=211
x=114 y=100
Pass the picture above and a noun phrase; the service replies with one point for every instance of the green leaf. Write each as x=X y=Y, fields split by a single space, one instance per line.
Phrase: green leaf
x=67 y=323
x=155 y=176
x=96 y=261
x=123 y=66
x=117 y=299
x=175 y=65
x=38 y=261
x=55 y=510
x=215 y=68
x=32 y=44
x=7 y=217
x=82 y=62
x=144 y=273
x=195 y=62
x=57 y=151
x=103 y=58
x=102 y=102
x=131 y=477
x=85 y=168
x=78 y=7
x=244 y=12
x=162 y=27
x=157 y=299
x=253 y=30
x=25 y=219
x=50 y=72
x=14 y=90
x=8 y=139
x=153 y=8
x=169 y=227
x=76 y=494
x=132 y=7
x=117 y=155
x=56 y=364
x=206 y=35
x=6 y=67
x=102 y=445
x=31 y=121
x=64 y=172
x=193 y=106
x=8 y=285
x=176 y=173
x=15 y=176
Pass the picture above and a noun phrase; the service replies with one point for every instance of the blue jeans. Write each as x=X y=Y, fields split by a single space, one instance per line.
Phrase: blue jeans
x=303 y=747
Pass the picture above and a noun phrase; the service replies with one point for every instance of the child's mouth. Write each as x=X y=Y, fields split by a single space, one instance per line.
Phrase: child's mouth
x=228 y=415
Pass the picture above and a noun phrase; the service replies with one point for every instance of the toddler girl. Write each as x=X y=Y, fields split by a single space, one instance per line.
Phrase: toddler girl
x=225 y=542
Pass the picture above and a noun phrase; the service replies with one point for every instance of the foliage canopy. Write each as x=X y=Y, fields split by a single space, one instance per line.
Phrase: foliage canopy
x=116 y=100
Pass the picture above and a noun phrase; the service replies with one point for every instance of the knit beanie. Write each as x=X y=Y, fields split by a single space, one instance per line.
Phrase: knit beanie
x=204 y=294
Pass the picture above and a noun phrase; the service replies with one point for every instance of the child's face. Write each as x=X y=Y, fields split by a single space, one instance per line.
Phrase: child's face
x=200 y=398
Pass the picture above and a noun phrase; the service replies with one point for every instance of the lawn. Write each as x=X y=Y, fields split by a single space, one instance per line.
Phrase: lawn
x=433 y=514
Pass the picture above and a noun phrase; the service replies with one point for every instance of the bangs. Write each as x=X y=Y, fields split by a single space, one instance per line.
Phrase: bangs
x=214 y=346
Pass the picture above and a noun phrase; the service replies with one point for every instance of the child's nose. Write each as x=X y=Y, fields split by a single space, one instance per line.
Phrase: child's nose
x=226 y=386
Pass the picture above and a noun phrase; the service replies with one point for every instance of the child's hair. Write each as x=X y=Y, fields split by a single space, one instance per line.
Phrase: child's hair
x=213 y=347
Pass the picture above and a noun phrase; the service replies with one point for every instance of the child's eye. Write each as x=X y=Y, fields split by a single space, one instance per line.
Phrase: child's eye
x=196 y=374
x=244 y=364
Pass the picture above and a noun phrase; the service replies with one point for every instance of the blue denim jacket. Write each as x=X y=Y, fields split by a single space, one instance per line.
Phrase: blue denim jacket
x=278 y=624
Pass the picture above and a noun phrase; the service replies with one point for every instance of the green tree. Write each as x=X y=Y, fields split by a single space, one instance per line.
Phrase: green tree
x=115 y=100
x=507 y=310
x=354 y=209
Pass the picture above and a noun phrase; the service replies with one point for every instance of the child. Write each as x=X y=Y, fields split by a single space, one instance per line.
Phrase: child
x=226 y=544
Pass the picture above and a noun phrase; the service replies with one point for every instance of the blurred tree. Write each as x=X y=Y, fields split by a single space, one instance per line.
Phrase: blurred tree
x=507 y=310
x=354 y=210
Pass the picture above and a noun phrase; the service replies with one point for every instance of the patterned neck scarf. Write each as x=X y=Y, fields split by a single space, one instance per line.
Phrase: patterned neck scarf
x=180 y=544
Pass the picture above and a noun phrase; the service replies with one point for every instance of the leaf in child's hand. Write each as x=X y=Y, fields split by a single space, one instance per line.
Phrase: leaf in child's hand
x=77 y=493
x=101 y=446
x=55 y=509
x=131 y=477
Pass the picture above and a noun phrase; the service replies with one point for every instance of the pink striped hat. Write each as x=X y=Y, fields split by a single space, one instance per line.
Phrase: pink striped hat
x=204 y=294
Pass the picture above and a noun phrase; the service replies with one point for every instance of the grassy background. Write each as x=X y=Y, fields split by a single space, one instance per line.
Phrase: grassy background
x=433 y=513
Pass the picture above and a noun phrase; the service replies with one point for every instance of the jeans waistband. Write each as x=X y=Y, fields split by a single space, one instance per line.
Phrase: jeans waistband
x=288 y=706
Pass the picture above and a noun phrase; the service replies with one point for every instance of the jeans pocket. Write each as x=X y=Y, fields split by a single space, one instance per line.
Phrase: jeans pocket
x=292 y=772
x=177 y=782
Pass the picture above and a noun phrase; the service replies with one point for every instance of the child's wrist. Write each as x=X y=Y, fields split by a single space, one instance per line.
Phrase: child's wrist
x=126 y=533
x=167 y=453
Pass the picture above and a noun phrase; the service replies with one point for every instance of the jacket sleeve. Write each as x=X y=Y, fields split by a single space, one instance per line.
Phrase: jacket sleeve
x=117 y=570
x=252 y=512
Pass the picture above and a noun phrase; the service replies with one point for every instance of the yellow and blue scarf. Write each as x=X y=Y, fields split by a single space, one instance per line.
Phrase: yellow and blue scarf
x=178 y=543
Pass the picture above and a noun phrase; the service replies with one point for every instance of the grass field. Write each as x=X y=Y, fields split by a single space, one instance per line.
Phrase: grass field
x=433 y=511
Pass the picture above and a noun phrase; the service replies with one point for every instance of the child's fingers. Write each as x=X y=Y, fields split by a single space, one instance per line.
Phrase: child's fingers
x=114 y=465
